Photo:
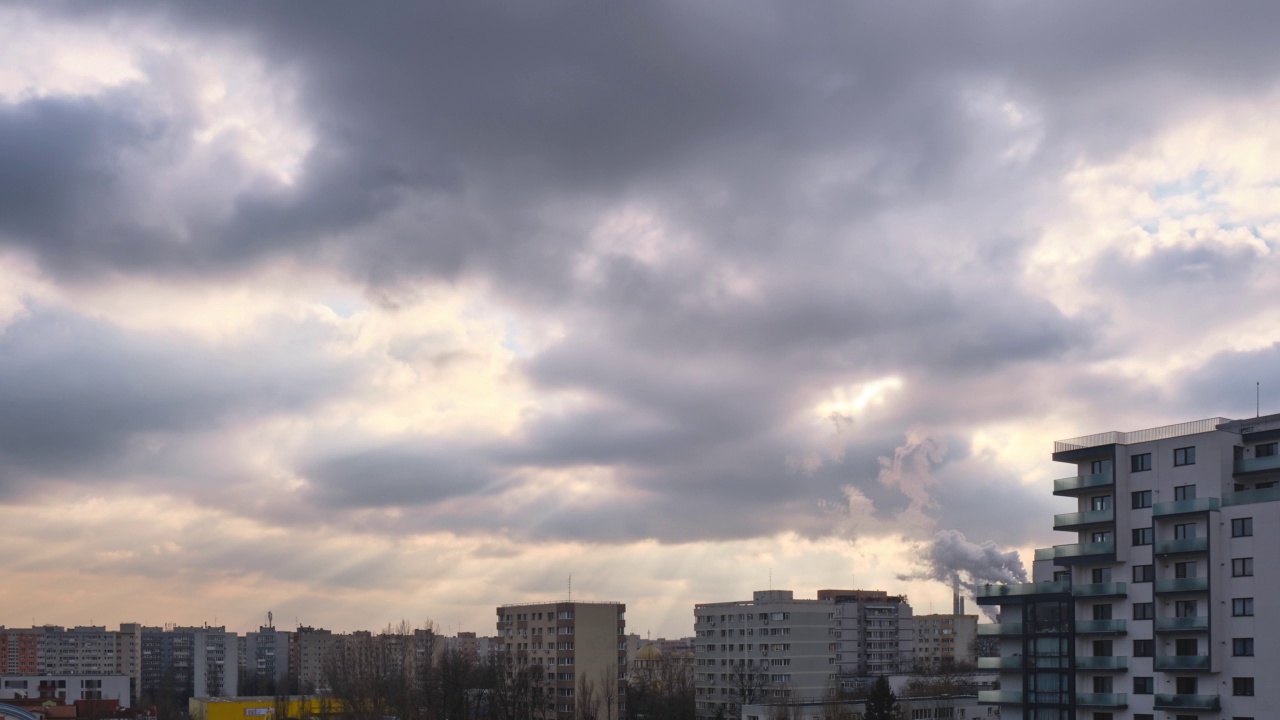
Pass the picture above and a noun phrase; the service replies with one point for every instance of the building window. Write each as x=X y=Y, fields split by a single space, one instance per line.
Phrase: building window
x=1144 y=685
x=1101 y=575
x=1184 y=608
x=1186 y=686
x=1143 y=573
x=1242 y=567
x=1102 y=684
x=1242 y=686
x=1266 y=450
x=1186 y=647
x=1101 y=537
x=1144 y=648
x=1140 y=463
x=1184 y=456
x=1242 y=647
x=1143 y=536
x=1100 y=502
x=1141 y=499
x=1184 y=570
x=1242 y=527
x=1102 y=611
x=1242 y=607
x=1184 y=531
x=1144 y=611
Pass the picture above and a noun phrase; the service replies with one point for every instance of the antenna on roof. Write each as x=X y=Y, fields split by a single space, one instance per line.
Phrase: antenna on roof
x=1257 y=392
x=570 y=586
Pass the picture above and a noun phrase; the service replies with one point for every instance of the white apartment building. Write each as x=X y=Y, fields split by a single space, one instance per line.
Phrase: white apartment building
x=570 y=645
x=1167 y=602
x=776 y=647
x=66 y=688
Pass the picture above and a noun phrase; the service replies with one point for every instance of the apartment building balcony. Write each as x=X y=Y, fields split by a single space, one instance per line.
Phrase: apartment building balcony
x=1177 y=586
x=1185 y=546
x=1084 y=520
x=1102 y=700
x=1100 y=590
x=1000 y=663
x=995 y=594
x=1249 y=497
x=1081 y=484
x=1000 y=697
x=1009 y=629
x=1182 y=663
x=1248 y=466
x=1099 y=552
x=1098 y=663
x=1101 y=627
x=1198 y=623
x=1187 y=702
x=1184 y=507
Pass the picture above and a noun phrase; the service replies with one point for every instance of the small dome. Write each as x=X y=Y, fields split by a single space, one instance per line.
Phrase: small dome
x=649 y=653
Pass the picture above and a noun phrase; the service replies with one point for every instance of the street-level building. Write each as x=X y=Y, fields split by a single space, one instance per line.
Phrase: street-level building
x=1166 y=602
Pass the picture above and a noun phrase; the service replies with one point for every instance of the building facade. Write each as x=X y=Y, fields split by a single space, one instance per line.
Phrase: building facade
x=66 y=688
x=874 y=632
x=945 y=640
x=572 y=650
x=1162 y=606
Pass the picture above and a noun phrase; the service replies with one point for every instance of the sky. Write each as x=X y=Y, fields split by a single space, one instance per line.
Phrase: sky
x=366 y=315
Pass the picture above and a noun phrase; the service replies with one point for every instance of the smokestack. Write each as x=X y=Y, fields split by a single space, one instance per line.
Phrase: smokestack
x=957 y=602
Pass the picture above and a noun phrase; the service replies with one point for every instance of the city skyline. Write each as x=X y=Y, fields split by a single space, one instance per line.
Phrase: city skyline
x=360 y=317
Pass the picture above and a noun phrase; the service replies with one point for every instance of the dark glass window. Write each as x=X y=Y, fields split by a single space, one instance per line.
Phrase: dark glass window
x=1242 y=567
x=1242 y=607
x=1144 y=611
x=1144 y=648
x=1143 y=536
x=1184 y=456
x=1242 y=647
x=1143 y=573
x=1144 y=685
x=1140 y=463
x=1141 y=499
x=1242 y=686
x=1242 y=527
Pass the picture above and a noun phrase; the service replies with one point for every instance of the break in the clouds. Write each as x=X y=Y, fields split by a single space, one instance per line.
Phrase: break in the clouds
x=665 y=296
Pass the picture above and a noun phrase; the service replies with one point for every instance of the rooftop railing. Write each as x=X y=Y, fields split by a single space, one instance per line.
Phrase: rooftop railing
x=1130 y=438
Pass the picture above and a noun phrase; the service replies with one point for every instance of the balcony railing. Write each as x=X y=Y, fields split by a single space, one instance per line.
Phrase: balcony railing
x=1130 y=438
x=1171 y=663
x=1249 y=465
x=1248 y=497
x=1088 y=518
x=1184 y=507
x=1082 y=483
x=1000 y=697
x=1023 y=589
x=1113 y=589
x=1184 y=546
x=1000 y=629
x=1044 y=553
x=1096 y=662
x=1197 y=623
x=1182 y=585
x=1083 y=552
x=1106 y=700
x=1000 y=663
x=1187 y=702
x=1101 y=627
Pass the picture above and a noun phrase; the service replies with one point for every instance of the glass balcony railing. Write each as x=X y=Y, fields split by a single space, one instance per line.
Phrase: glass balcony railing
x=1248 y=465
x=1023 y=589
x=1175 y=663
x=1198 y=623
x=1000 y=697
x=1248 y=497
x=1184 y=507
x=1095 y=662
x=1083 y=552
x=1182 y=585
x=1000 y=629
x=1182 y=547
x=1044 y=553
x=1000 y=663
x=1106 y=700
x=1101 y=627
x=1187 y=702
x=1076 y=520
x=1075 y=484
x=1114 y=589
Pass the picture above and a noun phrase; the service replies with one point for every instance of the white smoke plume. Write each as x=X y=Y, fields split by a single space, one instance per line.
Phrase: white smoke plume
x=910 y=470
x=950 y=557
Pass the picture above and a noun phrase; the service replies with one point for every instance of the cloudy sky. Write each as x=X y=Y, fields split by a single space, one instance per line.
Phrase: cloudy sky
x=359 y=316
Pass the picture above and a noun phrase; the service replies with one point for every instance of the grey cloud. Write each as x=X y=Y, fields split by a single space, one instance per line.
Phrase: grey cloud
x=402 y=475
x=76 y=393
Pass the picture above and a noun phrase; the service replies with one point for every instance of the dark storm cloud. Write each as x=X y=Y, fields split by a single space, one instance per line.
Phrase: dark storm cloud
x=404 y=475
x=75 y=393
x=851 y=167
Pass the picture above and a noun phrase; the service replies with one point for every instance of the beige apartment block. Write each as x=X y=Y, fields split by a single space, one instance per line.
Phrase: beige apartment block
x=945 y=640
x=576 y=650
